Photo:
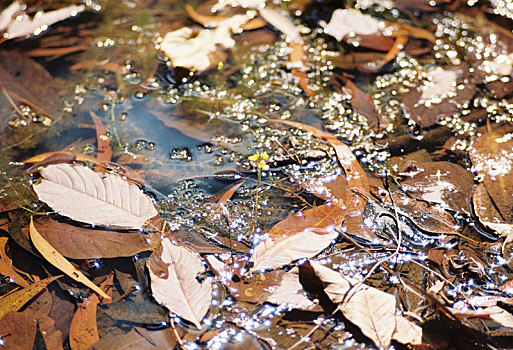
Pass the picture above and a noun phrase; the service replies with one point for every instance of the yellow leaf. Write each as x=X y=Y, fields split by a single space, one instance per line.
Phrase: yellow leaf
x=15 y=300
x=60 y=262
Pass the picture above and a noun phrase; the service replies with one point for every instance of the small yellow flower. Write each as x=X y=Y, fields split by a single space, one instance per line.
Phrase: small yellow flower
x=261 y=157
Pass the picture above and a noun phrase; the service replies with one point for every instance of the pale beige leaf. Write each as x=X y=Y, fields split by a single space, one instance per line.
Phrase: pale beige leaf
x=407 y=332
x=103 y=199
x=173 y=271
x=23 y=25
x=60 y=262
x=280 y=22
x=301 y=235
x=372 y=310
x=290 y=292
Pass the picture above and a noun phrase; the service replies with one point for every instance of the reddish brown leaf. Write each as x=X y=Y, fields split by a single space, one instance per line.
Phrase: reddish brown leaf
x=81 y=243
x=102 y=139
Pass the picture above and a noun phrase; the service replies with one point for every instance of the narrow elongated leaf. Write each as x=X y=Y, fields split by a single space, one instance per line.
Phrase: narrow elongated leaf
x=59 y=261
x=16 y=300
x=96 y=198
x=299 y=236
x=174 y=284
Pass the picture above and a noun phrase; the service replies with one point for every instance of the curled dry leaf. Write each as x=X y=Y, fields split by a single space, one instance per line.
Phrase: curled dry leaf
x=189 y=50
x=174 y=283
x=60 y=262
x=103 y=199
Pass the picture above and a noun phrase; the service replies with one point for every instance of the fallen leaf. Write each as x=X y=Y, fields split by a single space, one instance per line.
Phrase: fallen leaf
x=6 y=268
x=280 y=22
x=103 y=199
x=175 y=269
x=185 y=49
x=351 y=21
x=52 y=337
x=60 y=262
x=357 y=183
x=301 y=235
x=407 y=332
x=22 y=25
x=17 y=299
x=83 y=331
x=102 y=139
x=19 y=330
x=372 y=310
x=77 y=242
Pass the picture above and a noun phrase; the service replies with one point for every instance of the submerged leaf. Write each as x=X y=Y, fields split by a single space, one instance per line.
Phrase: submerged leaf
x=59 y=261
x=96 y=198
x=174 y=284
x=77 y=242
x=15 y=300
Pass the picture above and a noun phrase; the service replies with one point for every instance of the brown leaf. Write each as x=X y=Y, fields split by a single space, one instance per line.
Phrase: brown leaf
x=6 y=268
x=83 y=332
x=301 y=235
x=19 y=330
x=17 y=299
x=175 y=269
x=77 y=242
x=102 y=139
x=60 y=262
x=96 y=198
x=363 y=104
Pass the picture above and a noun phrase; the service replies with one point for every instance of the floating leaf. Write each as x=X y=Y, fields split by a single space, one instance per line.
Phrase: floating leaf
x=77 y=242
x=95 y=198
x=174 y=284
x=19 y=330
x=102 y=139
x=59 y=261
x=301 y=235
x=15 y=300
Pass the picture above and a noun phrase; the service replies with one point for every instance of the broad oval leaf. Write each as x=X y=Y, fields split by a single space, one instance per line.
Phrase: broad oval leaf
x=299 y=236
x=103 y=199
x=372 y=310
x=173 y=271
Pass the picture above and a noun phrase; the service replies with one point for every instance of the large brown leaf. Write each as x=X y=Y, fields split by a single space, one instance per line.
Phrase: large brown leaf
x=104 y=199
x=174 y=284
x=76 y=242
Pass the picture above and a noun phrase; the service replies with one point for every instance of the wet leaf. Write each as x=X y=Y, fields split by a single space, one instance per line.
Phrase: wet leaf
x=104 y=199
x=137 y=309
x=191 y=51
x=17 y=299
x=280 y=22
x=372 y=310
x=440 y=94
x=19 y=330
x=16 y=23
x=77 y=242
x=363 y=104
x=301 y=235
x=60 y=262
x=83 y=332
x=136 y=338
x=176 y=269
x=102 y=139
x=276 y=287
